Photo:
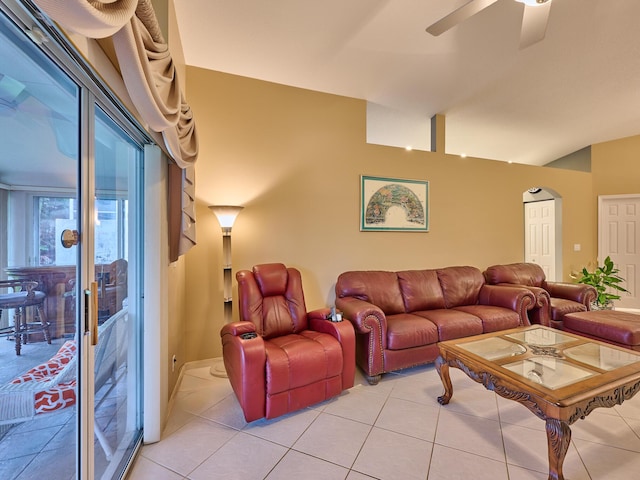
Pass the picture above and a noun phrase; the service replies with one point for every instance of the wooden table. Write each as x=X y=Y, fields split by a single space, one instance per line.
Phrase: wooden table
x=53 y=280
x=558 y=376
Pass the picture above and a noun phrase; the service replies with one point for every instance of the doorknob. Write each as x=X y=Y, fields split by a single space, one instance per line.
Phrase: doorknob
x=69 y=238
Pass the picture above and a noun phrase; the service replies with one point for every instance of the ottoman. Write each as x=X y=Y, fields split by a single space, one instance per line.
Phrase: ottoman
x=611 y=326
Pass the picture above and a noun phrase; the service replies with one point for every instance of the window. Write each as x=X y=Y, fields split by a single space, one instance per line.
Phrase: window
x=53 y=215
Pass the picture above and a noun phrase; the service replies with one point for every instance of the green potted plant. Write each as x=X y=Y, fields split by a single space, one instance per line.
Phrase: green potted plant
x=605 y=280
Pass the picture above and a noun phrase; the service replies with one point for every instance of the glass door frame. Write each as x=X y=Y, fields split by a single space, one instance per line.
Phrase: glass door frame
x=93 y=91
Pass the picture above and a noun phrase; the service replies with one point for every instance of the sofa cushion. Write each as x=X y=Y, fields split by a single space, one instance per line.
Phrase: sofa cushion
x=453 y=323
x=406 y=331
x=420 y=290
x=493 y=318
x=376 y=287
x=460 y=285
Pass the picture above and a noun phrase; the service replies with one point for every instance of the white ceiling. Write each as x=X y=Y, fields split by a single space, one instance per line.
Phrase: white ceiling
x=578 y=86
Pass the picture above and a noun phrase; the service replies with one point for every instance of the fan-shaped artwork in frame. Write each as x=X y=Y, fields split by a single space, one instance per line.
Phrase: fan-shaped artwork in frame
x=393 y=204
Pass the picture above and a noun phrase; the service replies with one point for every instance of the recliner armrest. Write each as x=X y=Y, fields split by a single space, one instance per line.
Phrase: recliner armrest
x=578 y=292
x=238 y=329
x=321 y=313
x=244 y=361
x=345 y=334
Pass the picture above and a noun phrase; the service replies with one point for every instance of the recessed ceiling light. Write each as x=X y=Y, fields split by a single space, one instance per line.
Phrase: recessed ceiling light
x=408 y=148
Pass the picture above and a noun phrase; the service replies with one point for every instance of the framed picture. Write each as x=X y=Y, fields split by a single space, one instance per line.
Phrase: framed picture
x=393 y=204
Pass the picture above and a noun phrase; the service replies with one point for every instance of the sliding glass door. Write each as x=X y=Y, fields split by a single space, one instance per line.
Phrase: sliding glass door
x=117 y=237
x=40 y=344
x=70 y=263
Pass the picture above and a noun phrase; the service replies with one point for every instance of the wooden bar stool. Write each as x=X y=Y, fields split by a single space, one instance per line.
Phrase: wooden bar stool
x=19 y=295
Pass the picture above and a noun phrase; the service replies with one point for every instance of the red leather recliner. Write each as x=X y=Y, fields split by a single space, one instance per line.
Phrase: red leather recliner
x=278 y=357
x=553 y=299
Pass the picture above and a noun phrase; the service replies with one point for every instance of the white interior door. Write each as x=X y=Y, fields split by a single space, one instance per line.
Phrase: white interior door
x=619 y=238
x=540 y=236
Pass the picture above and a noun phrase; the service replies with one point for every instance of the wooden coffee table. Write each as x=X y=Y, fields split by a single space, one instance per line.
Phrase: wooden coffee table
x=559 y=376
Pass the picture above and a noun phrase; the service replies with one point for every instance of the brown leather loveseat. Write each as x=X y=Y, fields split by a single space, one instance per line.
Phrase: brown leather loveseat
x=399 y=317
x=553 y=299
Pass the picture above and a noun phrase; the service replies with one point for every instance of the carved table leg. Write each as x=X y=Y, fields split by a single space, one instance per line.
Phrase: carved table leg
x=558 y=439
x=443 y=370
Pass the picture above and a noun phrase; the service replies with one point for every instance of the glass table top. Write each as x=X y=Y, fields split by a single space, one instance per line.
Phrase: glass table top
x=548 y=371
x=549 y=357
x=494 y=348
x=601 y=356
x=541 y=337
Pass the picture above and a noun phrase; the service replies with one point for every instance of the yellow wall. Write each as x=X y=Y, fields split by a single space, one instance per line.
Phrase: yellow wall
x=293 y=158
x=615 y=167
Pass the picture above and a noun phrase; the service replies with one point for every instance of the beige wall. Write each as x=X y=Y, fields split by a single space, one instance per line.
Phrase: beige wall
x=293 y=158
x=615 y=167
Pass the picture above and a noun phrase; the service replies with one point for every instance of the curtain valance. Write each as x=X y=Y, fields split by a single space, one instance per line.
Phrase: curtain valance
x=151 y=79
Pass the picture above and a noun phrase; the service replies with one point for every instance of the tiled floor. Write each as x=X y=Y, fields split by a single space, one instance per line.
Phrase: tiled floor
x=394 y=430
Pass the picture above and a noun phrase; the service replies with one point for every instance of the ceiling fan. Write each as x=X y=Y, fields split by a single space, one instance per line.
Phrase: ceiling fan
x=534 y=19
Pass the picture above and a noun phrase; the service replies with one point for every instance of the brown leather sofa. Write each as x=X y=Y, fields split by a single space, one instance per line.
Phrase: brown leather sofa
x=553 y=299
x=399 y=317
x=279 y=357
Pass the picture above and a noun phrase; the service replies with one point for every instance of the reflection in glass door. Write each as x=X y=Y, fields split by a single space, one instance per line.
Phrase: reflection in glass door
x=117 y=232
x=40 y=350
x=70 y=237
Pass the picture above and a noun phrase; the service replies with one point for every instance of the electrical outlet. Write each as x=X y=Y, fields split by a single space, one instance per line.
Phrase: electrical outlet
x=173 y=363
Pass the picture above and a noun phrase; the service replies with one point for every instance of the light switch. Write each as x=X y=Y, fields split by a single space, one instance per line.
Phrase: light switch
x=577 y=247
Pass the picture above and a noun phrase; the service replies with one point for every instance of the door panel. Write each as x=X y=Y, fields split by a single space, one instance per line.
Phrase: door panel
x=116 y=232
x=619 y=238
x=540 y=239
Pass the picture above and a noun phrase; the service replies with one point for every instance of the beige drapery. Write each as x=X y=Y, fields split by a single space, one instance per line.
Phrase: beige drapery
x=151 y=79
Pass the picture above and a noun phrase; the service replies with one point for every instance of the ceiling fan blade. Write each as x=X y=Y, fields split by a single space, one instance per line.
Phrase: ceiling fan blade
x=458 y=16
x=534 y=24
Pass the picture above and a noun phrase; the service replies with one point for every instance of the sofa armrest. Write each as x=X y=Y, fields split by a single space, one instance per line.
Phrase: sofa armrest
x=365 y=316
x=370 y=323
x=578 y=292
x=518 y=299
x=245 y=362
x=343 y=332
x=540 y=313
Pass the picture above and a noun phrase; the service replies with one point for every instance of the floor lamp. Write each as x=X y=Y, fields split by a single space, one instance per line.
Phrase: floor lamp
x=226 y=215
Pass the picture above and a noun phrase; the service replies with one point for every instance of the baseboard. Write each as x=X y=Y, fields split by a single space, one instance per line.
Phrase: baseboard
x=184 y=368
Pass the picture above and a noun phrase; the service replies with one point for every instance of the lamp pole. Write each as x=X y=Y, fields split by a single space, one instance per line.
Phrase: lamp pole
x=226 y=215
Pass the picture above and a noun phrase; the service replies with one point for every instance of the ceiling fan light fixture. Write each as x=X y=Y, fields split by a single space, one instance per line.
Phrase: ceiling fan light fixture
x=533 y=3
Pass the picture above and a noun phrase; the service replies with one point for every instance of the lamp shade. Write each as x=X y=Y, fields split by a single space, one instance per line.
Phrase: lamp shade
x=534 y=3
x=226 y=214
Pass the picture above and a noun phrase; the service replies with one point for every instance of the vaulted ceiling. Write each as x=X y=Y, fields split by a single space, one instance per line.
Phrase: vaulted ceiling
x=578 y=86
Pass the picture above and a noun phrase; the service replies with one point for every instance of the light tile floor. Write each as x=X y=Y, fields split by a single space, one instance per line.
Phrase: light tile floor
x=394 y=430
